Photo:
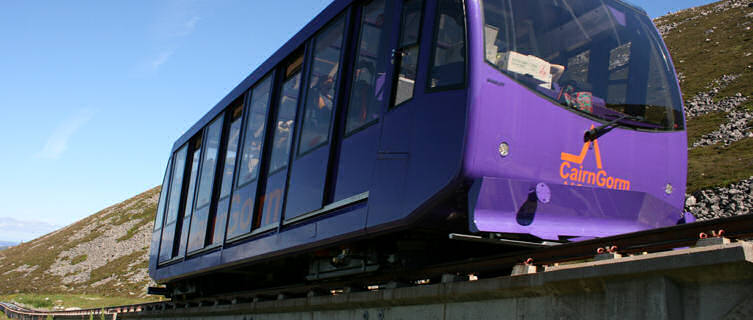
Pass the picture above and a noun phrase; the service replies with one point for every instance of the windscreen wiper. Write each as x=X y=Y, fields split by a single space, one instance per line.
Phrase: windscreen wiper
x=599 y=131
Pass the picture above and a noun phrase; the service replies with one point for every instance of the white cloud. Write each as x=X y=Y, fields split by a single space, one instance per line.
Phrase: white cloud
x=19 y=230
x=57 y=143
x=168 y=31
x=187 y=27
x=160 y=59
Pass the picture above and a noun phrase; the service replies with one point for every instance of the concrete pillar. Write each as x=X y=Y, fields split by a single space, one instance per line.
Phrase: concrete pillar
x=655 y=297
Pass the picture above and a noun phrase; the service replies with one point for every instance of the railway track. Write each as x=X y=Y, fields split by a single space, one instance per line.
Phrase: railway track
x=529 y=260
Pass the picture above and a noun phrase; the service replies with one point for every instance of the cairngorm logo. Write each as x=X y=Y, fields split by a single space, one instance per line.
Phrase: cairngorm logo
x=573 y=172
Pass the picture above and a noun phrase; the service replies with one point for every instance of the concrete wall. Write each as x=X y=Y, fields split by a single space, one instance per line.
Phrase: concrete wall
x=713 y=282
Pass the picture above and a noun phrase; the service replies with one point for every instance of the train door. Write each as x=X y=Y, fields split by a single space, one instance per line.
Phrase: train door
x=391 y=167
x=311 y=155
x=366 y=100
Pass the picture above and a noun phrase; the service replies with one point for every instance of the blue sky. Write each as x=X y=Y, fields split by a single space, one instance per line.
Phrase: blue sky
x=94 y=93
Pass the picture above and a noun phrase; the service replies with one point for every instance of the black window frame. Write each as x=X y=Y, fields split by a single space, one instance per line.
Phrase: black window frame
x=205 y=132
x=399 y=50
x=244 y=127
x=655 y=36
x=287 y=74
x=165 y=188
x=464 y=84
x=166 y=220
x=384 y=37
x=230 y=114
x=344 y=18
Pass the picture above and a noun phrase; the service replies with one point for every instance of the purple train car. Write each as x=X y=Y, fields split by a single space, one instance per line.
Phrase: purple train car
x=382 y=127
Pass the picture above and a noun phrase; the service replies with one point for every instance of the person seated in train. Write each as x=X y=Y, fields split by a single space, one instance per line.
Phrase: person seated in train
x=253 y=159
x=280 y=144
x=320 y=115
x=362 y=97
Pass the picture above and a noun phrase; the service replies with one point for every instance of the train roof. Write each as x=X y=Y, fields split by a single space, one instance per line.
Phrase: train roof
x=634 y=6
x=329 y=13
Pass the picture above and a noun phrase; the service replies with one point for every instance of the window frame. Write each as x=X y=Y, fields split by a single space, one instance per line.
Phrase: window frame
x=400 y=49
x=344 y=18
x=165 y=188
x=383 y=37
x=244 y=127
x=205 y=133
x=435 y=34
x=185 y=147
x=229 y=112
x=654 y=36
x=288 y=74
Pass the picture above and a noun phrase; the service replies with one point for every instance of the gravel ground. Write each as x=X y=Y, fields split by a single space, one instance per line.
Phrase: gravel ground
x=735 y=199
x=738 y=121
x=664 y=26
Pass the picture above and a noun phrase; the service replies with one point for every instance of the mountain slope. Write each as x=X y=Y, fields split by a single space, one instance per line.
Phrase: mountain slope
x=5 y=244
x=712 y=48
x=105 y=253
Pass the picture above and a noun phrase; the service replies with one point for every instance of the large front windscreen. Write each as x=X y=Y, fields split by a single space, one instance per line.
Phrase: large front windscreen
x=598 y=57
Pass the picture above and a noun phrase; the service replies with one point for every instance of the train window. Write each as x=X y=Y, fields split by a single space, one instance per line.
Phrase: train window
x=407 y=53
x=233 y=138
x=179 y=159
x=619 y=69
x=322 y=84
x=294 y=65
x=448 y=58
x=284 y=123
x=186 y=216
x=209 y=163
x=608 y=56
x=255 y=128
x=411 y=22
x=216 y=224
x=368 y=83
x=163 y=197
x=198 y=229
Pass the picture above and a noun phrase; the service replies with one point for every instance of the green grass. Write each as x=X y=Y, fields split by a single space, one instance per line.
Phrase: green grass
x=147 y=216
x=119 y=266
x=43 y=252
x=702 y=61
x=79 y=259
x=717 y=165
x=704 y=124
x=48 y=301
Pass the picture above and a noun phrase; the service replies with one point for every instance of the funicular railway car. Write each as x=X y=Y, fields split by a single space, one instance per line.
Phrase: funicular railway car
x=383 y=126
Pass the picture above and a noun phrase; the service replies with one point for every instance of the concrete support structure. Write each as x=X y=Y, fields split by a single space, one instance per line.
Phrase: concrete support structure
x=711 y=282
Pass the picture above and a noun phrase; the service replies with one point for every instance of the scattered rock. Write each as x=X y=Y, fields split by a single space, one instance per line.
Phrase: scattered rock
x=664 y=26
x=732 y=200
x=738 y=121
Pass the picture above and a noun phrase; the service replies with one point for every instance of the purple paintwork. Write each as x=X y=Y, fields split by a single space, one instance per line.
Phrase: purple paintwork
x=546 y=146
x=420 y=154
x=543 y=193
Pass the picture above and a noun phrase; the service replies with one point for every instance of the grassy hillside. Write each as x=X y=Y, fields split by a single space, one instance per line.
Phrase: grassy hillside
x=103 y=254
x=707 y=43
x=106 y=254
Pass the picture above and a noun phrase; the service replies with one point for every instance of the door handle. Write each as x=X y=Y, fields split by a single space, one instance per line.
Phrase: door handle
x=399 y=52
